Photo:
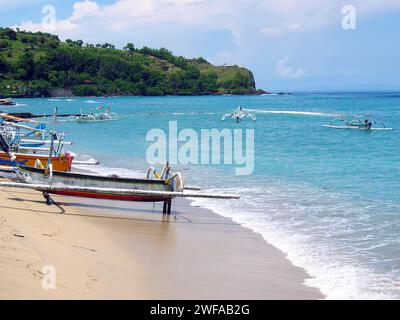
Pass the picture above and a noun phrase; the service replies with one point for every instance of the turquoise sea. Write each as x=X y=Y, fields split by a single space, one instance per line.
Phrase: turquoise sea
x=328 y=198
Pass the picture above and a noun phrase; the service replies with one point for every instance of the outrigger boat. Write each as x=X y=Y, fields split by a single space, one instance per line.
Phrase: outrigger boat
x=62 y=162
x=162 y=188
x=7 y=102
x=111 y=188
x=107 y=115
x=239 y=115
x=363 y=123
x=27 y=146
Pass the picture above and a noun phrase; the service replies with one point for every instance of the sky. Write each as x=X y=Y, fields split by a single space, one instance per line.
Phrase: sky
x=290 y=45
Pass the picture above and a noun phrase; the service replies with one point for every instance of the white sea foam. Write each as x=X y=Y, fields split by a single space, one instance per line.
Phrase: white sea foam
x=304 y=224
x=308 y=245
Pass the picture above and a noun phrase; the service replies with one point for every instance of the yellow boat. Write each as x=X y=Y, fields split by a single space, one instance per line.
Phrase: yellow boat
x=63 y=163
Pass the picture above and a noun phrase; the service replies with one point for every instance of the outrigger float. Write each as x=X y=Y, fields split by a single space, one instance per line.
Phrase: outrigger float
x=363 y=123
x=239 y=115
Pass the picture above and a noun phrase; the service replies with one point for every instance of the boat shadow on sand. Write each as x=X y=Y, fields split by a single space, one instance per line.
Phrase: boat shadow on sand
x=181 y=217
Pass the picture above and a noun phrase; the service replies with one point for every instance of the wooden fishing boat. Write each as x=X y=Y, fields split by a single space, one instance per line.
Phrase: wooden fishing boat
x=33 y=175
x=15 y=145
x=60 y=163
x=160 y=189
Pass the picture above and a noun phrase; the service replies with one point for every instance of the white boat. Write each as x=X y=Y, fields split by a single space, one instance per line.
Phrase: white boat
x=107 y=115
x=239 y=115
x=357 y=128
x=360 y=123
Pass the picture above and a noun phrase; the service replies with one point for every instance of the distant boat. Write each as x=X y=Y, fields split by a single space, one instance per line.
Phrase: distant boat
x=239 y=115
x=363 y=123
x=7 y=102
x=107 y=115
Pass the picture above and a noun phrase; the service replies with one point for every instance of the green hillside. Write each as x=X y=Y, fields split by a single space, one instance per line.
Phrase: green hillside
x=39 y=64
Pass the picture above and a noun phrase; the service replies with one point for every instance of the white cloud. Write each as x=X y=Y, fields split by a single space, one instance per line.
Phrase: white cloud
x=269 y=17
x=273 y=31
x=290 y=17
x=286 y=71
x=85 y=8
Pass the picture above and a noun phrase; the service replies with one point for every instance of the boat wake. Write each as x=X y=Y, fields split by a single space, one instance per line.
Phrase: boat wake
x=290 y=112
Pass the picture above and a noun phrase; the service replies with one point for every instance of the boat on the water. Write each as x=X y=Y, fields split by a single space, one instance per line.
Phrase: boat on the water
x=7 y=102
x=107 y=115
x=357 y=123
x=239 y=115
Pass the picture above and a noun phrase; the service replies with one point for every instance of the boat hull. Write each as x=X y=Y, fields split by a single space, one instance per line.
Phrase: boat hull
x=63 y=164
x=358 y=128
x=60 y=179
x=106 y=196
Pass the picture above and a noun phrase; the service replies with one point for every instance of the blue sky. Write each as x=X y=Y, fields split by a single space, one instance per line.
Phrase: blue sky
x=288 y=44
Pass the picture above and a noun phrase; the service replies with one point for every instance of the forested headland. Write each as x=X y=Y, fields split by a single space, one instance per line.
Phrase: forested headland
x=39 y=64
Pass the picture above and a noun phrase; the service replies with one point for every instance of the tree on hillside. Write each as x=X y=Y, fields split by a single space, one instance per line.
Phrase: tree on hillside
x=8 y=33
x=3 y=44
x=26 y=65
x=129 y=47
x=3 y=66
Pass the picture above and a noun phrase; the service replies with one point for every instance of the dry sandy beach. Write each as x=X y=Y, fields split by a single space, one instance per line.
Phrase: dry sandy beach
x=115 y=250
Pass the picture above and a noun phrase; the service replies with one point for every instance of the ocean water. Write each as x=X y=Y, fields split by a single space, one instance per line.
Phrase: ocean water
x=329 y=199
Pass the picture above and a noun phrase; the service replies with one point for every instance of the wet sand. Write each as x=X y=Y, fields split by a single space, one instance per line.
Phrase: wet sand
x=119 y=250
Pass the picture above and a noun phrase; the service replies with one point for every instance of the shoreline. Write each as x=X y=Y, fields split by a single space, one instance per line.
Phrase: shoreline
x=119 y=250
x=258 y=92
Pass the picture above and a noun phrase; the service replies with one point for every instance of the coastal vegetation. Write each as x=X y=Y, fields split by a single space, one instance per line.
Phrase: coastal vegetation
x=39 y=64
